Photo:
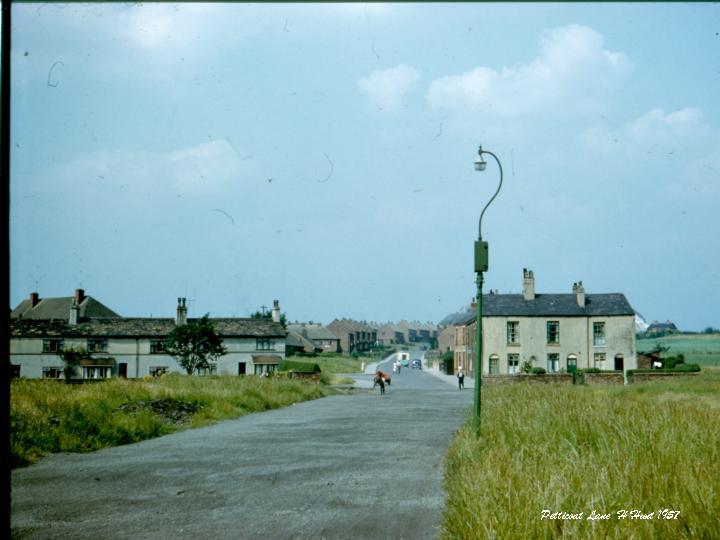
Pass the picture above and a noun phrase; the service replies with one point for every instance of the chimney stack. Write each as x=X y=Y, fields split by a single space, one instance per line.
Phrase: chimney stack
x=181 y=317
x=579 y=292
x=276 y=311
x=79 y=296
x=34 y=299
x=74 y=313
x=528 y=284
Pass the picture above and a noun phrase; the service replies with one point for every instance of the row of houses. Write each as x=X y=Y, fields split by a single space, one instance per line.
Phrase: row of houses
x=558 y=332
x=134 y=346
x=129 y=346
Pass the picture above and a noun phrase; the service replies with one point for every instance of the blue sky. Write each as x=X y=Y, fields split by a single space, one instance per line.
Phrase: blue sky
x=322 y=155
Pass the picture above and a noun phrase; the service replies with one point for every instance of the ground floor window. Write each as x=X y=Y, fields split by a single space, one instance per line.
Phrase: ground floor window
x=513 y=363
x=96 y=372
x=265 y=369
x=599 y=360
x=52 y=372
x=553 y=363
x=156 y=371
x=494 y=364
x=210 y=370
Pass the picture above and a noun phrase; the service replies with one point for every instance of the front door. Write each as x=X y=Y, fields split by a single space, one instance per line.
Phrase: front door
x=122 y=370
x=571 y=364
x=242 y=368
x=619 y=362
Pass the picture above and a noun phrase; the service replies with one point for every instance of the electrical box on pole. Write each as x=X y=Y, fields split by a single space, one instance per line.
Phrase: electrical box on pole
x=481 y=256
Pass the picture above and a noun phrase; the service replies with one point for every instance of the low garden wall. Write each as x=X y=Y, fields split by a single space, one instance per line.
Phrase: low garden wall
x=604 y=378
x=554 y=378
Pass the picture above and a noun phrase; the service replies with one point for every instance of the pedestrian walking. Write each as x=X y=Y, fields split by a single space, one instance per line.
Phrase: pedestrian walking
x=461 y=379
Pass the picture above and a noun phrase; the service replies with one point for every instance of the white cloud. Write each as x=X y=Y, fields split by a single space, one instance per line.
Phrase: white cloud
x=654 y=132
x=387 y=87
x=209 y=168
x=573 y=70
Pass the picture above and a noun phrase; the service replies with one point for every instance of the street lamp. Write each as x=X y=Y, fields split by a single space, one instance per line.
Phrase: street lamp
x=481 y=265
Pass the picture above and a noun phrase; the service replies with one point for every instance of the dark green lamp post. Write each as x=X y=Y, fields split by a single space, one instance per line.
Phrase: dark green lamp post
x=481 y=265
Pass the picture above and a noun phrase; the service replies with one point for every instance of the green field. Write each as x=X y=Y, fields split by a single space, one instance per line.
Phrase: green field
x=652 y=449
x=702 y=349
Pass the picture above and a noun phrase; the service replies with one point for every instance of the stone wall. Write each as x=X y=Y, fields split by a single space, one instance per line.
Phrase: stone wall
x=554 y=378
x=604 y=378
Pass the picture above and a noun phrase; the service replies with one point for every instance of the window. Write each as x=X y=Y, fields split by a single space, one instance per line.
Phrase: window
x=599 y=334
x=97 y=345
x=265 y=345
x=53 y=345
x=553 y=363
x=157 y=346
x=96 y=372
x=156 y=371
x=599 y=360
x=51 y=372
x=494 y=365
x=210 y=370
x=513 y=332
x=553 y=332
x=261 y=369
x=513 y=363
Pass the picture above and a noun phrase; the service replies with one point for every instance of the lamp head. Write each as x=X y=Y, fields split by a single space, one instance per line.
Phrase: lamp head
x=480 y=163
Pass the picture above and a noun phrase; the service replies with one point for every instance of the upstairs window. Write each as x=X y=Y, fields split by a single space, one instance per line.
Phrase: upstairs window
x=53 y=345
x=265 y=344
x=513 y=332
x=553 y=332
x=157 y=346
x=599 y=334
x=96 y=345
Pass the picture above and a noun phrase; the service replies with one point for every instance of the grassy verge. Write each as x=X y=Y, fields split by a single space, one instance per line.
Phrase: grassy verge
x=644 y=447
x=48 y=416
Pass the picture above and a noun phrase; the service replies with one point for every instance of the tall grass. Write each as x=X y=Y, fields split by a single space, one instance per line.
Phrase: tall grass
x=583 y=449
x=49 y=416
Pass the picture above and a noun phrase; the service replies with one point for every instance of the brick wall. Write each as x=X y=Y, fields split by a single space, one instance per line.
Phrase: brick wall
x=555 y=378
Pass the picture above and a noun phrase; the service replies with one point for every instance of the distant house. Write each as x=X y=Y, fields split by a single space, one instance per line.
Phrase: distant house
x=130 y=346
x=354 y=336
x=658 y=328
x=558 y=332
x=60 y=308
x=390 y=334
x=321 y=336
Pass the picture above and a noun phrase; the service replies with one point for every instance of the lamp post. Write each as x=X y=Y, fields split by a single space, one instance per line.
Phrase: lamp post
x=481 y=265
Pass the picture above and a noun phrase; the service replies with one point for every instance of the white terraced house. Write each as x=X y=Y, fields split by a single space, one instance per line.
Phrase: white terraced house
x=129 y=346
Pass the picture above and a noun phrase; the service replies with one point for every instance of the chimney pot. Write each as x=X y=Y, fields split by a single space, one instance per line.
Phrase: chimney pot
x=34 y=299
x=181 y=317
x=79 y=295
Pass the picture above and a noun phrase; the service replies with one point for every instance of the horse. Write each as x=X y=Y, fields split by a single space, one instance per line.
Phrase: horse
x=382 y=379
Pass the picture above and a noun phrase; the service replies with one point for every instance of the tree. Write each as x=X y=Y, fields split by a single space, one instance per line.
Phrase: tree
x=195 y=345
x=71 y=358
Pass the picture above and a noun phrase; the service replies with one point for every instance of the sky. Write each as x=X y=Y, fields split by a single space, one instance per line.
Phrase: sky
x=322 y=155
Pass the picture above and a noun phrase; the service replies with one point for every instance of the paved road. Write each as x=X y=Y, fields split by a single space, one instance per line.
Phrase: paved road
x=351 y=466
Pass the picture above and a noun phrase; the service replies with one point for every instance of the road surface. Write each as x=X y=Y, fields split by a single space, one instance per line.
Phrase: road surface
x=349 y=466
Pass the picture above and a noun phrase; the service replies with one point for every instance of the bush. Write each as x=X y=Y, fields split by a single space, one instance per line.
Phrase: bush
x=592 y=370
x=538 y=371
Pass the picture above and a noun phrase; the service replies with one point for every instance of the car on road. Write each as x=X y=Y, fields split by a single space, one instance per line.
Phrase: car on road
x=416 y=364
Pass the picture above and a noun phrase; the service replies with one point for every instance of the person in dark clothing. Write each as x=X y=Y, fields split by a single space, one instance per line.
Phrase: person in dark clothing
x=461 y=379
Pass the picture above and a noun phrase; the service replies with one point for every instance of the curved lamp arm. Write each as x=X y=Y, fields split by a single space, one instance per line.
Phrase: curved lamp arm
x=480 y=154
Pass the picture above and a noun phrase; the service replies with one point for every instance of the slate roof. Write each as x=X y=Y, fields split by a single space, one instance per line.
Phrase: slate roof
x=556 y=305
x=141 y=328
x=59 y=308
x=314 y=331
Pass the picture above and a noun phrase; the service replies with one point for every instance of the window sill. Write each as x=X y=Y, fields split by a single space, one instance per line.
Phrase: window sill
x=514 y=344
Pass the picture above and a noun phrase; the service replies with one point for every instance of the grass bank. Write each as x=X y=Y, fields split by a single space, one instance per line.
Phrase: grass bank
x=641 y=448
x=49 y=416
